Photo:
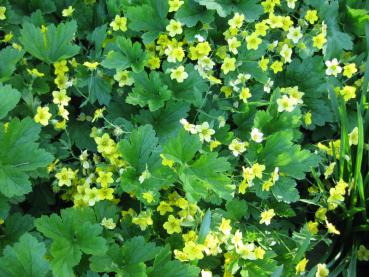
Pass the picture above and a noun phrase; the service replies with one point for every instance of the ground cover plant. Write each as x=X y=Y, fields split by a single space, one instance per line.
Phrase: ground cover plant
x=184 y=138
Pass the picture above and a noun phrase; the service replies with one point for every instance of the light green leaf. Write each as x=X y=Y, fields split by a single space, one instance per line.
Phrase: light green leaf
x=24 y=258
x=149 y=90
x=190 y=13
x=9 y=58
x=285 y=190
x=53 y=45
x=9 y=98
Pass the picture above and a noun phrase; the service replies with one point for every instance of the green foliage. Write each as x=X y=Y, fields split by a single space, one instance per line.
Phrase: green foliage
x=149 y=91
x=192 y=13
x=9 y=58
x=52 y=45
x=151 y=18
x=9 y=98
x=24 y=258
x=72 y=233
x=125 y=54
x=23 y=156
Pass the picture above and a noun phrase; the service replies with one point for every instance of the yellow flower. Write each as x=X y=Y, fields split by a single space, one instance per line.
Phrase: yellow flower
x=348 y=92
x=2 y=13
x=179 y=74
x=301 y=265
x=349 y=70
x=105 y=178
x=322 y=271
x=245 y=94
x=105 y=144
x=214 y=144
x=277 y=66
x=68 y=11
x=236 y=21
x=106 y=193
x=311 y=16
x=253 y=41
x=257 y=170
x=313 y=227
x=259 y=253
x=233 y=44
x=172 y=225
x=229 y=64
x=321 y=213
x=143 y=220
x=99 y=113
x=8 y=37
x=174 y=28
x=61 y=97
x=261 y=28
x=153 y=62
x=331 y=228
x=35 y=73
x=174 y=5
x=60 y=67
x=42 y=116
x=119 y=23
x=91 y=65
x=193 y=251
x=225 y=226
x=123 y=78
x=174 y=54
x=308 y=118
x=63 y=112
x=319 y=41
x=65 y=177
x=148 y=196
x=164 y=207
x=165 y=161
x=263 y=64
x=108 y=223
x=267 y=216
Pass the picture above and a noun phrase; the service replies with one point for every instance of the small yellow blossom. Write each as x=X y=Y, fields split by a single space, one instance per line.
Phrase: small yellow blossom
x=119 y=23
x=61 y=97
x=42 y=116
x=277 y=66
x=174 y=5
x=348 y=92
x=172 y=225
x=108 y=223
x=311 y=16
x=68 y=11
x=166 y=161
x=65 y=177
x=267 y=216
x=2 y=13
x=164 y=207
x=349 y=70
x=174 y=28
x=35 y=73
x=322 y=271
x=229 y=64
x=313 y=227
x=253 y=41
x=301 y=265
x=91 y=65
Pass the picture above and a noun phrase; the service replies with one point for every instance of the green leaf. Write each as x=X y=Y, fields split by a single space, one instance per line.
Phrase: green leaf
x=53 y=45
x=166 y=120
x=136 y=250
x=125 y=54
x=73 y=233
x=9 y=98
x=250 y=8
x=182 y=148
x=24 y=258
x=9 y=58
x=206 y=174
x=100 y=90
x=236 y=209
x=149 y=90
x=280 y=151
x=357 y=18
x=205 y=226
x=285 y=190
x=190 y=13
x=22 y=156
x=141 y=149
x=151 y=18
